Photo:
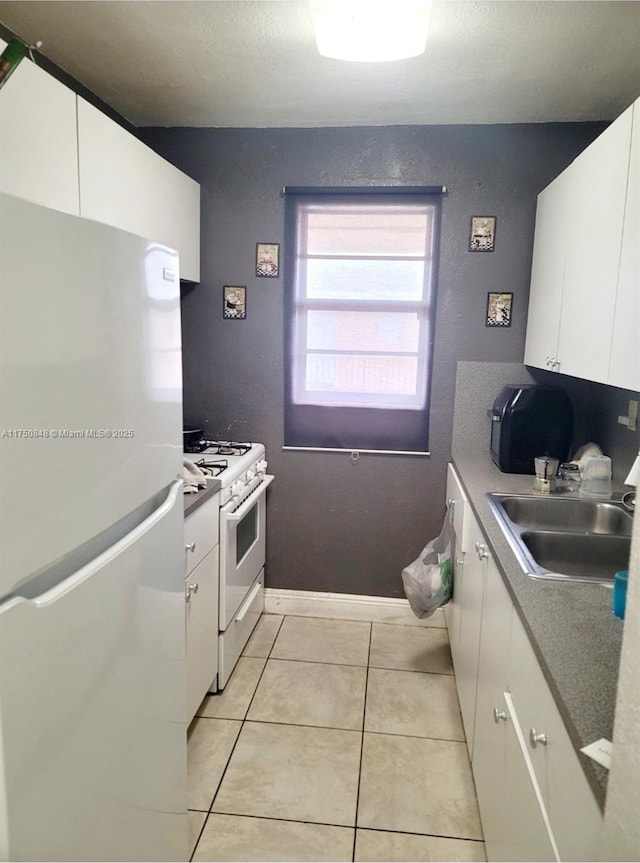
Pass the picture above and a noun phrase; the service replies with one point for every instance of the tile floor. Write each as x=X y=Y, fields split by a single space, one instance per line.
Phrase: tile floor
x=334 y=740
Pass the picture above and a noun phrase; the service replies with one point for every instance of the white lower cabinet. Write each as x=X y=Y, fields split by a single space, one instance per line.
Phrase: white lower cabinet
x=201 y=601
x=575 y=817
x=470 y=591
x=535 y=800
x=457 y=509
x=514 y=822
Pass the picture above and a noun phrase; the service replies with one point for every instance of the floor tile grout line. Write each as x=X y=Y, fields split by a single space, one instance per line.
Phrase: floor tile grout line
x=318 y=662
x=359 y=620
x=204 y=824
x=344 y=826
x=364 y=714
x=233 y=748
x=266 y=662
x=425 y=835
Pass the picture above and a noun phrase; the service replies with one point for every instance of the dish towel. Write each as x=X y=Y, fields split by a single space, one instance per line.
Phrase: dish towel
x=192 y=476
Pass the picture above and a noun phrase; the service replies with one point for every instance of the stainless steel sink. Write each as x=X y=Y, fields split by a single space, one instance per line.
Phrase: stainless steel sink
x=565 y=538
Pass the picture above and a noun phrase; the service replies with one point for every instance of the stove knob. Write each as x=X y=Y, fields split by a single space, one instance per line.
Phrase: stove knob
x=237 y=487
x=250 y=475
x=261 y=467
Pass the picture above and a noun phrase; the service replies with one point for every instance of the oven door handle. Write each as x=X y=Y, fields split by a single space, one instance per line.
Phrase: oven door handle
x=246 y=505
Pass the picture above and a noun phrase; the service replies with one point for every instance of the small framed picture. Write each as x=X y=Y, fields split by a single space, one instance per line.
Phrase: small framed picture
x=499 y=310
x=268 y=260
x=482 y=235
x=234 y=302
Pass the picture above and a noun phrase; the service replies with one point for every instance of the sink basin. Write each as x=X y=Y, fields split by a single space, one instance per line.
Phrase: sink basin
x=565 y=538
x=572 y=514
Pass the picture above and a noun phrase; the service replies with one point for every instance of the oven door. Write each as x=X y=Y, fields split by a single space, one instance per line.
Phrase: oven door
x=242 y=546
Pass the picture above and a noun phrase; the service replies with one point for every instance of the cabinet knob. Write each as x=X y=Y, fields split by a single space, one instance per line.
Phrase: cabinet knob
x=481 y=548
x=191 y=546
x=499 y=715
x=547 y=361
x=191 y=589
x=459 y=561
x=536 y=737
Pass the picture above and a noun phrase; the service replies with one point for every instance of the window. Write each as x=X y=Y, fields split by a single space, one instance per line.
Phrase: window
x=360 y=287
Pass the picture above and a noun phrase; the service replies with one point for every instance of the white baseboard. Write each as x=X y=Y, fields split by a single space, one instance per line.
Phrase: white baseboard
x=346 y=606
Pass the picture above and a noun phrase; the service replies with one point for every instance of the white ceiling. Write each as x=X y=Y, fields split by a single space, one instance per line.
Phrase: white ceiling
x=254 y=62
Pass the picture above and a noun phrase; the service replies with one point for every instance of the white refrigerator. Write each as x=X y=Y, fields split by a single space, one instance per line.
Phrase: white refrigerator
x=92 y=637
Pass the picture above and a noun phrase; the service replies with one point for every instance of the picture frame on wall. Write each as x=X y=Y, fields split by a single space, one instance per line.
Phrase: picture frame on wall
x=267 y=260
x=234 y=302
x=499 y=309
x=482 y=234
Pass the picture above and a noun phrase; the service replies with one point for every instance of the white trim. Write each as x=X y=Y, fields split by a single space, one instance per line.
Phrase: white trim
x=346 y=606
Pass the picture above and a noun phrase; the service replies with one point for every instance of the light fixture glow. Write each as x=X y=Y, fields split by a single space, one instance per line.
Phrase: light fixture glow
x=371 y=31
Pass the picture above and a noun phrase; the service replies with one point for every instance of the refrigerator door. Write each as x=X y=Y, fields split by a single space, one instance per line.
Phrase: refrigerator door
x=91 y=381
x=92 y=690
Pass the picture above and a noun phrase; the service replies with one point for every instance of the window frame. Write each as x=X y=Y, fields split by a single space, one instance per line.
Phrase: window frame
x=314 y=424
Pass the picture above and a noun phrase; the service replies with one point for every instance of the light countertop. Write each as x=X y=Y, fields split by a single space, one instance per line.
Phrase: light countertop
x=193 y=501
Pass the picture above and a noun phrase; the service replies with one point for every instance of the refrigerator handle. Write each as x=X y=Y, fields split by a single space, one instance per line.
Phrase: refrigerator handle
x=53 y=594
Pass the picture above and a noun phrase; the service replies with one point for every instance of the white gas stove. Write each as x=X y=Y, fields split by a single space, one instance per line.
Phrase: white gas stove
x=242 y=471
x=235 y=464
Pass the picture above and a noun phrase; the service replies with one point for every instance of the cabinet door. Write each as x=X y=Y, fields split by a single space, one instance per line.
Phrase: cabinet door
x=547 y=275
x=574 y=814
x=469 y=597
x=624 y=367
x=201 y=595
x=597 y=192
x=457 y=509
x=525 y=832
x=490 y=735
x=124 y=183
x=38 y=139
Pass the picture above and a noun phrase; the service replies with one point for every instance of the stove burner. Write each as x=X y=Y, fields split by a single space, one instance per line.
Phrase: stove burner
x=232 y=448
x=218 y=447
x=212 y=468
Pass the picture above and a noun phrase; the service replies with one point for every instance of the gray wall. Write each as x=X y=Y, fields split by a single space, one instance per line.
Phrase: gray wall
x=333 y=525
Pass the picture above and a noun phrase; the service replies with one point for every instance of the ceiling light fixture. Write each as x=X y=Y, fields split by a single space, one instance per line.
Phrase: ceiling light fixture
x=371 y=31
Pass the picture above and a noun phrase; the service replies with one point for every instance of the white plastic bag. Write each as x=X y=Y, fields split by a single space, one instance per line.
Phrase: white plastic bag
x=428 y=580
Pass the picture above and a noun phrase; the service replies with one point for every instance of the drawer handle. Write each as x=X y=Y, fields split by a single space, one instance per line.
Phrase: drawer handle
x=499 y=715
x=191 y=546
x=536 y=737
x=191 y=589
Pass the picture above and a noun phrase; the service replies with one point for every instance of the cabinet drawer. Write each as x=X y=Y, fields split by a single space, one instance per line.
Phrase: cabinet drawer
x=575 y=816
x=201 y=531
x=201 y=595
x=233 y=639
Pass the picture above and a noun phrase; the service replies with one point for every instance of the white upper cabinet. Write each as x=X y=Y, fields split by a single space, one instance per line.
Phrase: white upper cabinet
x=547 y=275
x=583 y=306
x=38 y=140
x=593 y=237
x=624 y=366
x=124 y=183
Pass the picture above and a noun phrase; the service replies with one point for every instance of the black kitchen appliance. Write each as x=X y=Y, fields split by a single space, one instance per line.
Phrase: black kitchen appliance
x=527 y=422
